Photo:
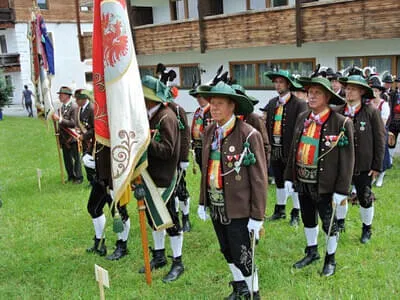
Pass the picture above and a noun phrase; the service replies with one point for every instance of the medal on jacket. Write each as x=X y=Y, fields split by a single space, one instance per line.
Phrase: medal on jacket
x=362 y=126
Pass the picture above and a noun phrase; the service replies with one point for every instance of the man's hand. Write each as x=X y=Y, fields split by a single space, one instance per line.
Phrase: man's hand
x=55 y=117
x=255 y=227
x=373 y=173
x=289 y=187
x=184 y=165
x=201 y=212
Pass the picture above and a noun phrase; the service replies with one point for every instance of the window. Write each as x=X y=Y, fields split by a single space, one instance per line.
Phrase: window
x=42 y=4
x=276 y=3
x=251 y=74
x=3 y=44
x=142 y=15
x=381 y=63
x=8 y=80
x=89 y=80
x=179 y=9
x=185 y=74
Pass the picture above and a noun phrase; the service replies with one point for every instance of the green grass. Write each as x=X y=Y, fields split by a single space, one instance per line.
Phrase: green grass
x=43 y=237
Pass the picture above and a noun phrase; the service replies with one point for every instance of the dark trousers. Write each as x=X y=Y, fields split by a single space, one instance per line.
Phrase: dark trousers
x=90 y=174
x=278 y=168
x=313 y=204
x=197 y=152
x=234 y=241
x=28 y=106
x=362 y=182
x=72 y=161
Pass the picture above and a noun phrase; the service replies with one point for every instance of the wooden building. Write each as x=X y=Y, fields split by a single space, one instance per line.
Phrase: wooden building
x=61 y=21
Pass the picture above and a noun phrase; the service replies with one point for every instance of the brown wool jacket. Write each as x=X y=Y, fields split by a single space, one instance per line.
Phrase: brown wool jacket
x=183 y=133
x=257 y=122
x=163 y=156
x=246 y=197
x=369 y=144
x=290 y=112
x=69 y=120
x=86 y=118
x=335 y=169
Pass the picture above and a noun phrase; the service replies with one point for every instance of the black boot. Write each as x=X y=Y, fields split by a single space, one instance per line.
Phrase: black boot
x=341 y=225
x=311 y=255
x=158 y=261
x=99 y=247
x=120 y=251
x=186 y=227
x=177 y=269
x=294 y=217
x=279 y=213
x=256 y=296
x=329 y=265
x=366 y=233
x=240 y=289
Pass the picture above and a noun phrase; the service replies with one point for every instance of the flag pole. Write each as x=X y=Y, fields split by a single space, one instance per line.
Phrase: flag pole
x=139 y=195
x=57 y=135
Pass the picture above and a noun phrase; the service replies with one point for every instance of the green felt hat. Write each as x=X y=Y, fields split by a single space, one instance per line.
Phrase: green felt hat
x=221 y=89
x=360 y=81
x=65 y=90
x=195 y=92
x=326 y=84
x=155 y=90
x=285 y=74
x=81 y=94
x=241 y=91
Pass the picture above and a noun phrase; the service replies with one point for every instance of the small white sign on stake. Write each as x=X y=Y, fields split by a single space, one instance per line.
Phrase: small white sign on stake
x=39 y=176
x=102 y=279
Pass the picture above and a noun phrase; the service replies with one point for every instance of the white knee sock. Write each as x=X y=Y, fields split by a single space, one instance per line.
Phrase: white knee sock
x=332 y=245
x=125 y=233
x=236 y=273
x=311 y=235
x=296 y=202
x=176 y=244
x=99 y=224
x=185 y=207
x=367 y=215
x=159 y=239
x=341 y=210
x=252 y=284
x=281 y=196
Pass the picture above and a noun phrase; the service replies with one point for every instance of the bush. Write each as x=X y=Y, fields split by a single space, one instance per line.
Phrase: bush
x=5 y=91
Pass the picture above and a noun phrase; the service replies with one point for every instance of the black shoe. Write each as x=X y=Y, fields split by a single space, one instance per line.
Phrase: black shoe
x=341 y=225
x=240 y=289
x=366 y=234
x=294 y=217
x=99 y=247
x=311 y=255
x=119 y=252
x=256 y=296
x=158 y=261
x=329 y=265
x=186 y=226
x=177 y=269
x=279 y=213
x=78 y=181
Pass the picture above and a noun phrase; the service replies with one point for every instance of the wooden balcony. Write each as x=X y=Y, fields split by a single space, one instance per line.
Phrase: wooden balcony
x=321 y=21
x=7 y=18
x=9 y=62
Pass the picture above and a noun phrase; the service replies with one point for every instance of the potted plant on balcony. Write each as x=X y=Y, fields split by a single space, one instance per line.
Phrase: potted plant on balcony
x=5 y=93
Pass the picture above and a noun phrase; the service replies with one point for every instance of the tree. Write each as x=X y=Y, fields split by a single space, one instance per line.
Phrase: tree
x=5 y=91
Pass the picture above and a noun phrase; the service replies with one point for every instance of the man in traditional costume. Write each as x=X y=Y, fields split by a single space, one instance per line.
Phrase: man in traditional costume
x=86 y=129
x=66 y=119
x=281 y=114
x=233 y=184
x=394 y=121
x=163 y=156
x=369 y=145
x=320 y=166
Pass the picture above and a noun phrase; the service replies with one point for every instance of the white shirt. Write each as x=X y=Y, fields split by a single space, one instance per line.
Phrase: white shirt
x=152 y=111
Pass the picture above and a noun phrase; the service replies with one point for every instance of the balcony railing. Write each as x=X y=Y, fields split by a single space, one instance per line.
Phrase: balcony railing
x=9 y=62
x=7 y=18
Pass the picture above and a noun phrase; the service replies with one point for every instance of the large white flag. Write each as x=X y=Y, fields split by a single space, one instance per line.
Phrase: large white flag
x=121 y=117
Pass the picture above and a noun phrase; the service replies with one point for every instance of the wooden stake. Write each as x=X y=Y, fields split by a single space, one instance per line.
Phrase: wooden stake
x=39 y=175
x=101 y=287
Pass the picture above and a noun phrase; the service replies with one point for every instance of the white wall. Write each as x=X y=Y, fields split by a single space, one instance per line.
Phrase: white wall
x=325 y=53
x=69 y=69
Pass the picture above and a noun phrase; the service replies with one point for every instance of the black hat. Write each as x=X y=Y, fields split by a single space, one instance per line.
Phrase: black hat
x=387 y=78
x=375 y=83
x=397 y=79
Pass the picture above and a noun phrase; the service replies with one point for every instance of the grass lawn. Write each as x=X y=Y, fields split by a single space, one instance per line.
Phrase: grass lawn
x=43 y=237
